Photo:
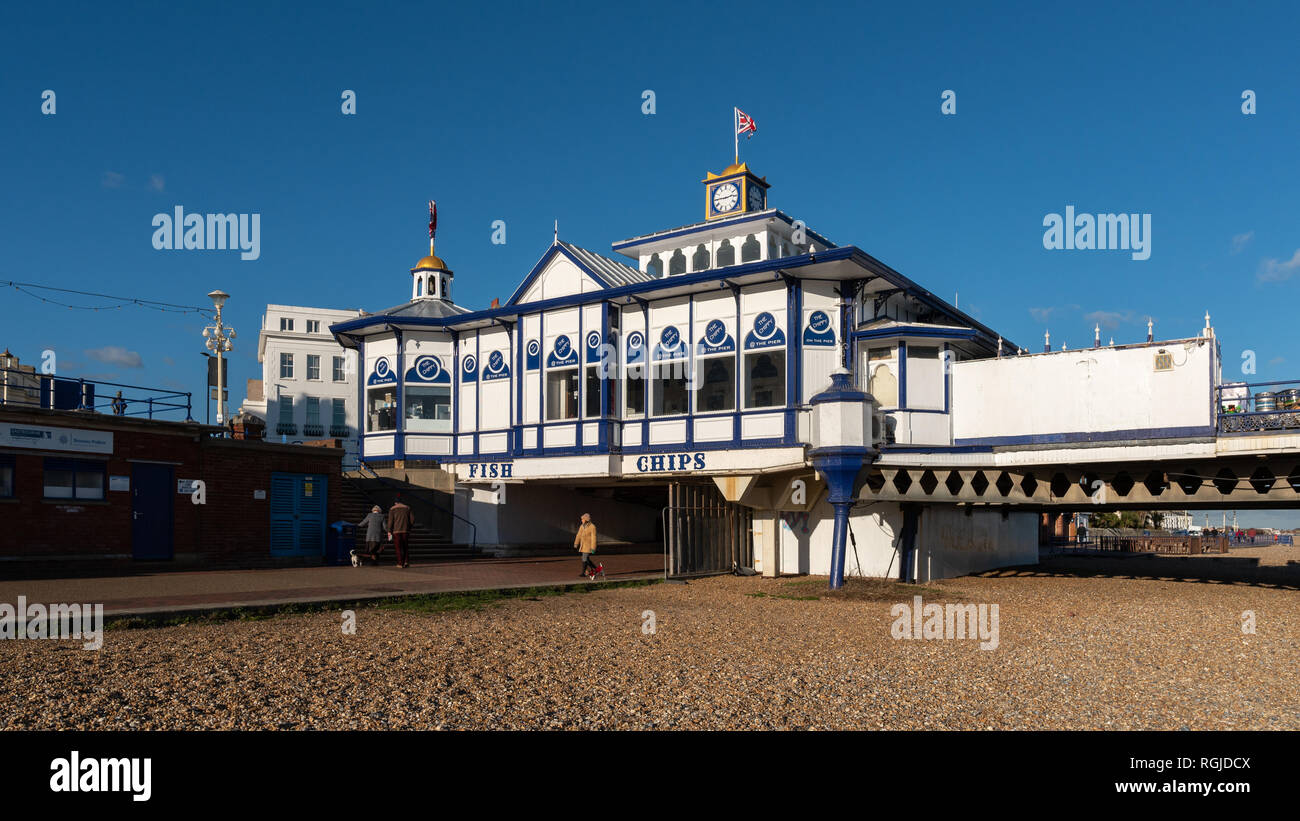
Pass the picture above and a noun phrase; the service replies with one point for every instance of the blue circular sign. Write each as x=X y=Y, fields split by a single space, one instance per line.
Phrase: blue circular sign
x=819 y=322
x=715 y=333
x=534 y=347
x=635 y=340
x=593 y=340
x=563 y=347
x=381 y=367
x=428 y=367
x=764 y=325
x=670 y=337
x=496 y=361
x=470 y=364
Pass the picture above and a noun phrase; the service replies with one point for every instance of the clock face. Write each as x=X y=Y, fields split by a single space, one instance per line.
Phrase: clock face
x=725 y=197
x=755 y=198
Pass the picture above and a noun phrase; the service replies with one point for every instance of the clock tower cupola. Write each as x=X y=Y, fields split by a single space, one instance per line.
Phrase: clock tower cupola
x=735 y=191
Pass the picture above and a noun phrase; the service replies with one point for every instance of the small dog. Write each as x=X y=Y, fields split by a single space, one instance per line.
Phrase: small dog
x=356 y=560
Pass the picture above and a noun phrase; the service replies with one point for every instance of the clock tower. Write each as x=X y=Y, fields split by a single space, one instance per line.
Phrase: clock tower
x=734 y=192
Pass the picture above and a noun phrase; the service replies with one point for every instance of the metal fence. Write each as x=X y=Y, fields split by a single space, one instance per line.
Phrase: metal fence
x=704 y=534
x=1171 y=545
x=24 y=388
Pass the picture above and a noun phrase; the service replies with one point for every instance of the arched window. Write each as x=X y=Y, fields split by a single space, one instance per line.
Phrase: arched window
x=655 y=266
x=749 y=252
x=429 y=289
x=677 y=263
x=700 y=261
x=726 y=254
x=419 y=287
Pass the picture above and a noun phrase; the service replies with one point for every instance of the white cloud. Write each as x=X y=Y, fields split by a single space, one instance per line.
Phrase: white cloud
x=1041 y=314
x=156 y=182
x=1110 y=320
x=1241 y=241
x=112 y=179
x=116 y=355
x=1272 y=270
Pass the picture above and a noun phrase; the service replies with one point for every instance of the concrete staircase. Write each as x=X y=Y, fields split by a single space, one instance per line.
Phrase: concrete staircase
x=431 y=530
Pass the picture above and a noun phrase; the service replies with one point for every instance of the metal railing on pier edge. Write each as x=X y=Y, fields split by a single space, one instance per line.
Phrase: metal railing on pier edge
x=1248 y=407
x=26 y=389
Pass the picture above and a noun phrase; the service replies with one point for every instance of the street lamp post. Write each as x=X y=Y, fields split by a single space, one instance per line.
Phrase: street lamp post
x=219 y=338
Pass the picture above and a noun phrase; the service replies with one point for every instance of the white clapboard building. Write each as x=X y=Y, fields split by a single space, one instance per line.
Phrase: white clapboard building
x=684 y=375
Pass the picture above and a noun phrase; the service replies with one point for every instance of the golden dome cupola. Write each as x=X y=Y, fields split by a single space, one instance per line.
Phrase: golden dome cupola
x=431 y=278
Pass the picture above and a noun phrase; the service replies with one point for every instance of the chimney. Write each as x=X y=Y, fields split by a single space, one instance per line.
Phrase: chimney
x=496 y=302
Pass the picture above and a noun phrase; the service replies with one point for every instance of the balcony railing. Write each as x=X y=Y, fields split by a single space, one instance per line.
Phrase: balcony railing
x=340 y=431
x=1251 y=407
x=26 y=388
x=286 y=429
x=313 y=430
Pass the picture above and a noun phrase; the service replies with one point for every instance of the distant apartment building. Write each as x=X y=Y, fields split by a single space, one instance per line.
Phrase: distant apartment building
x=1176 y=520
x=308 y=388
x=19 y=384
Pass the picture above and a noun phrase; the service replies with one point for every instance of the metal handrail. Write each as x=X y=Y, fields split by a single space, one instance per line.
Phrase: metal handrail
x=392 y=482
x=157 y=400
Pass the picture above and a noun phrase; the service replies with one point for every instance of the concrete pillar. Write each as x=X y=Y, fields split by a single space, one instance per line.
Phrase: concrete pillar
x=767 y=532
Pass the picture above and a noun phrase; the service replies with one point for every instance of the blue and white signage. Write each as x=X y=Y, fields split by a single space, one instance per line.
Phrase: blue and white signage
x=469 y=368
x=40 y=437
x=593 y=347
x=716 y=339
x=765 y=333
x=671 y=345
x=635 y=348
x=383 y=373
x=496 y=367
x=533 y=355
x=428 y=369
x=818 y=333
x=670 y=462
x=562 y=353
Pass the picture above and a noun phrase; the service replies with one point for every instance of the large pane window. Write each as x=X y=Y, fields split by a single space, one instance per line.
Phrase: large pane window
x=313 y=367
x=562 y=394
x=285 y=425
x=883 y=384
x=592 y=402
x=339 y=369
x=428 y=408
x=74 y=479
x=286 y=366
x=924 y=377
x=765 y=379
x=670 y=396
x=715 y=384
x=635 y=393
x=381 y=409
x=6 y=478
x=312 y=426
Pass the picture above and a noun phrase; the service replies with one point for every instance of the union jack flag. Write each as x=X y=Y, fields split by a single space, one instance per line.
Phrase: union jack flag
x=745 y=123
x=433 y=218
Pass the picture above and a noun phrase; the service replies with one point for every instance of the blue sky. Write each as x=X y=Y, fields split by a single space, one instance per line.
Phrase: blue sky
x=532 y=113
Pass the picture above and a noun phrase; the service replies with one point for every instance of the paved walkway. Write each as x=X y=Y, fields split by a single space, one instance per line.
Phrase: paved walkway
x=200 y=590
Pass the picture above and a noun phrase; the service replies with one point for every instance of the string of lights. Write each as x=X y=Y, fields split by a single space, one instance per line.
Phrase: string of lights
x=122 y=301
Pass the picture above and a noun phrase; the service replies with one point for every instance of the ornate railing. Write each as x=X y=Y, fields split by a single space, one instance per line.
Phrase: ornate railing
x=1251 y=407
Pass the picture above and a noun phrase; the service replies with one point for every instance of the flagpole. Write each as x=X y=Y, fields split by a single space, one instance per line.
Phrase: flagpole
x=735 y=131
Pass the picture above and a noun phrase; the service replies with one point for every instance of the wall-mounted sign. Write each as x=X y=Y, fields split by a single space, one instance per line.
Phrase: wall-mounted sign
x=671 y=345
x=259 y=494
x=383 y=373
x=46 y=438
x=428 y=369
x=533 y=355
x=716 y=339
x=469 y=368
x=491 y=470
x=765 y=333
x=819 y=333
x=119 y=483
x=670 y=462
x=635 y=348
x=185 y=486
x=496 y=367
x=593 y=347
x=562 y=353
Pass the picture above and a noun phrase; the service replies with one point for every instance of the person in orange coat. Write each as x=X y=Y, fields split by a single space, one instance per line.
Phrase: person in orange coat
x=585 y=542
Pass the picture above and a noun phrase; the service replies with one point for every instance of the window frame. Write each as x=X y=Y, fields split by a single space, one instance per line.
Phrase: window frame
x=76 y=467
x=286 y=365
x=310 y=357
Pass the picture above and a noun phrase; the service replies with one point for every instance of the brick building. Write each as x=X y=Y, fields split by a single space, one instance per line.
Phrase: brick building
x=87 y=492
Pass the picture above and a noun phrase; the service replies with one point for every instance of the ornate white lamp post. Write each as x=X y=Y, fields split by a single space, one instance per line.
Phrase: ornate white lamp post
x=219 y=338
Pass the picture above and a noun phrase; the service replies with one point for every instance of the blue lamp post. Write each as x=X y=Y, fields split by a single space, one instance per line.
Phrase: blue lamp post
x=841 y=447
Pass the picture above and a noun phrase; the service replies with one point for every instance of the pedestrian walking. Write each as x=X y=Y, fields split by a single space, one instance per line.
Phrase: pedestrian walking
x=374 y=533
x=585 y=542
x=399 y=529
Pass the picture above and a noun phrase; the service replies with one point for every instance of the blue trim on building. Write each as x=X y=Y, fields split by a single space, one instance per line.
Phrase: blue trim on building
x=1187 y=432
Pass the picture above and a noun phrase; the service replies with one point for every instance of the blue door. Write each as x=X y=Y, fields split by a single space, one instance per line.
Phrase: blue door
x=152 y=495
x=297 y=514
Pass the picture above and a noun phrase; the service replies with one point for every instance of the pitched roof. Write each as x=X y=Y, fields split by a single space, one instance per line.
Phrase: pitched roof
x=610 y=272
x=425 y=308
